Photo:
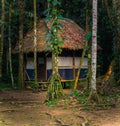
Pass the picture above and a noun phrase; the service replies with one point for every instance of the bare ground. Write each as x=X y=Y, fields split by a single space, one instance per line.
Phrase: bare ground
x=24 y=108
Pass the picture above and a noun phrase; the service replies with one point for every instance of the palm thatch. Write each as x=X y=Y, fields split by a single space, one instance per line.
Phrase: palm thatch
x=71 y=31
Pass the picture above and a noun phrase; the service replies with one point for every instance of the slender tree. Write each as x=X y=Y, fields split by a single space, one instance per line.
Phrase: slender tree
x=21 y=66
x=114 y=16
x=93 y=89
x=88 y=31
x=2 y=36
x=80 y=65
x=9 y=39
x=116 y=10
x=35 y=44
x=55 y=87
x=87 y=45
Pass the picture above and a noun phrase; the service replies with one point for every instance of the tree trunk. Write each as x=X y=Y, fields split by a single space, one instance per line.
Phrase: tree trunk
x=2 y=37
x=79 y=68
x=35 y=45
x=55 y=88
x=114 y=16
x=87 y=44
x=21 y=74
x=9 y=39
x=7 y=59
x=116 y=68
x=93 y=89
x=88 y=30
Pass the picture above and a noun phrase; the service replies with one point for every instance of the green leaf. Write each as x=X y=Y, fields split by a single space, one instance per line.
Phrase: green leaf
x=49 y=35
x=88 y=36
x=56 y=47
x=49 y=46
x=54 y=12
x=60 y=17
x=47 y=10
x=48 y=41
x=54 y=3
x=47 y=19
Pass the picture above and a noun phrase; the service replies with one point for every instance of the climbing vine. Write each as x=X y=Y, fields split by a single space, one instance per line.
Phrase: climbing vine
x=54 y=43
x=53 y=15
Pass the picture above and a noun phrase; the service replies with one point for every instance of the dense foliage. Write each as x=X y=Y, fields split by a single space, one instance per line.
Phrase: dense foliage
x=73 y=9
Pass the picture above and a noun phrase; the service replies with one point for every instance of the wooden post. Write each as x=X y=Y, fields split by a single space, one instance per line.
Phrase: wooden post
x=74 y=65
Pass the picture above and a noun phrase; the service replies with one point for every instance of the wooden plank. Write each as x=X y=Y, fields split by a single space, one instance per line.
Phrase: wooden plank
x=43 y=82
x=67 y=80
x=85 y=66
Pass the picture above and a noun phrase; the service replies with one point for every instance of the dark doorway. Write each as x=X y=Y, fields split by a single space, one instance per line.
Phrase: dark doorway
x=41 y=69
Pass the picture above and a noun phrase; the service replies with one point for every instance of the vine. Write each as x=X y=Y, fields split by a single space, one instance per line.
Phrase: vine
x=54 y=43
x=53 y=15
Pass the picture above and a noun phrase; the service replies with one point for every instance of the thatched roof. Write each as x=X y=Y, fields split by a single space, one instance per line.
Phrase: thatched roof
x=71 y=31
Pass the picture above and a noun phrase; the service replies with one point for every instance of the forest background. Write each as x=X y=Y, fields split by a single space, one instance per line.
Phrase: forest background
x=107 y=36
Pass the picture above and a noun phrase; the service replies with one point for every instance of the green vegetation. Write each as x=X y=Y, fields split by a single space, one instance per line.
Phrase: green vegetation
x=5 y=86
x=52 y=11
x=52 y=103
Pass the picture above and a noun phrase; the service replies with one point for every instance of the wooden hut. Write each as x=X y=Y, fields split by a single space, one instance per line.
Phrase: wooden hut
x=69 y=58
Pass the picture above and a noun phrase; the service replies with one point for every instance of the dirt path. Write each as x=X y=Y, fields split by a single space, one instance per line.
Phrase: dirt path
x=24 y=108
